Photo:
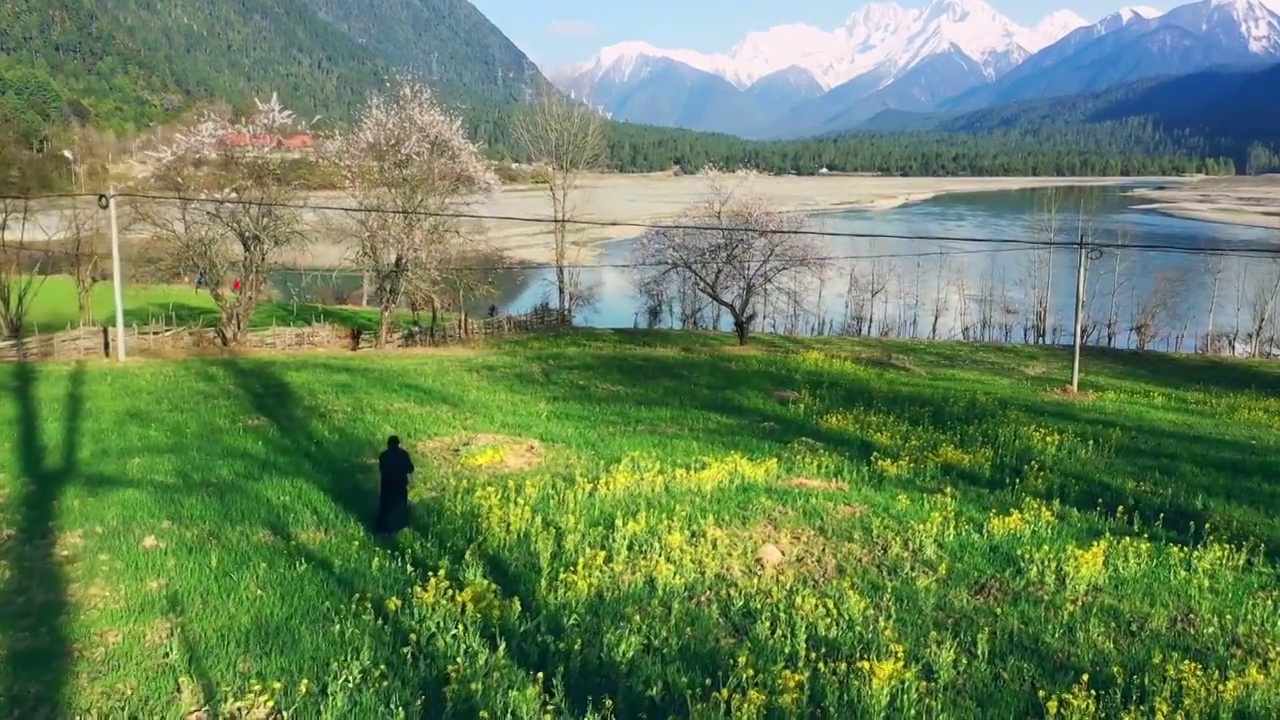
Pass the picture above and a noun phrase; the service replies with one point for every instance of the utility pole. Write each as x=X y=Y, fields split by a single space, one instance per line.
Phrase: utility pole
x=108 y=203
x=1086 y=254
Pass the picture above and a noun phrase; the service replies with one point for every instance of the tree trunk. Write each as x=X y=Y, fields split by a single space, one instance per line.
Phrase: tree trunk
x=84 y=299
x=742 y=322
x=386 y=315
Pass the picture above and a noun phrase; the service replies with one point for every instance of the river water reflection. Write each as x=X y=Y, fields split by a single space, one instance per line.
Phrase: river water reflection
x=991 y=291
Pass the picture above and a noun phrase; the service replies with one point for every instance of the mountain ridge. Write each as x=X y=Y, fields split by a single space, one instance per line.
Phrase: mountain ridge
x=1234 y=111
x=839 y=55
x=951 y=55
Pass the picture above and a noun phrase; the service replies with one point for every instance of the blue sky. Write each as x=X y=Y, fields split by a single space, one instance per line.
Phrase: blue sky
x=564 y=31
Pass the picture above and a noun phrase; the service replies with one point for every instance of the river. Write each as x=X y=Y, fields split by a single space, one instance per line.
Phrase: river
x=991 y=291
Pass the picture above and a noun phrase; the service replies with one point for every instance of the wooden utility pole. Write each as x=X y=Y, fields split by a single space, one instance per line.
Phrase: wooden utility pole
x=108 y=202
x=1086 y=254
x=1079 y=336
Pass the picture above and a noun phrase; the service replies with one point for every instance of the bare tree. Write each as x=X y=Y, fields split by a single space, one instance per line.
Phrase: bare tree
x=1112 y=324
x=1151 y=308
x=81 y=235
x=1048 y=227
x=736 y=249
x=1214 y=267
x=567 y=138
x=20 y=265
x=232 y=220
x=942 y=291
x=410 y=169
x=1262 y=307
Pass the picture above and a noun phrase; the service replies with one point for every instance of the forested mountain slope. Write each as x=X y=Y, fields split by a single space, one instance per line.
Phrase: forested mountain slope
x=449 y=42
x=1229 y=112
x=126 y=63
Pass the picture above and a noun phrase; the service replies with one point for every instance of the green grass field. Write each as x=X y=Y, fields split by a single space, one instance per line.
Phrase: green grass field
x=54 y=308
x=644 y=525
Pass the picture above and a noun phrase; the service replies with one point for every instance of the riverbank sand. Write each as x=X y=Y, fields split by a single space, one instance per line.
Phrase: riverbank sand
x=656 y=198
x=1249 y=201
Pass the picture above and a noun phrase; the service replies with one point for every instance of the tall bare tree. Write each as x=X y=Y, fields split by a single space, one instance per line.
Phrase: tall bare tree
x=410 y=168
x=567 y=138
x=735 y=248
x=1263 y=299
x=941 y=293
x=232 y=218
x=22 y=261
x=1111 y=326
x=81 y=236
x=1215 y=264
x=21 y=264
x=1047 y=226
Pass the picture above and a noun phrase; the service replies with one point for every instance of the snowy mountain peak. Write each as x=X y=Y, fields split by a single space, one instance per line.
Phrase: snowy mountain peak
x=623 y=60
x=876 y=14
x=1253 y=25
x=883 y=37
x=1124 y=17
x=1138 y=11
x=961 y=10
x=879 y=35
x=1054 y=27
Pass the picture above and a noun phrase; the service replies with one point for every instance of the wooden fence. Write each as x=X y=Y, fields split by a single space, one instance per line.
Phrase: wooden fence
x=93 y=341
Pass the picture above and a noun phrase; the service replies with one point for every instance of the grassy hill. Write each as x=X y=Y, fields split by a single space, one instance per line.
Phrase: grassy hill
x=942 y=534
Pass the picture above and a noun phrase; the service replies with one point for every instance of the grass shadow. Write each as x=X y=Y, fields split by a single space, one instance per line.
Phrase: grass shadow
x=1188 y=372
x=191 y=654
x=33 y=601
x=334 y=464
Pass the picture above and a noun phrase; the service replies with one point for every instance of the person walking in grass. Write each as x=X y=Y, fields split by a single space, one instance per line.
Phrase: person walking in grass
x=394 y=467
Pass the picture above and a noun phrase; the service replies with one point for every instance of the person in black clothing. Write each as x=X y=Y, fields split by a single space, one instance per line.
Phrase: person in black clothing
x=395 y=467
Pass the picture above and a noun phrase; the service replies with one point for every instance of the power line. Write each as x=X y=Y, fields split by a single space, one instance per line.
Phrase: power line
x=48 y=196
x=1019 y=244
x=1266 y=251
x=531 y=266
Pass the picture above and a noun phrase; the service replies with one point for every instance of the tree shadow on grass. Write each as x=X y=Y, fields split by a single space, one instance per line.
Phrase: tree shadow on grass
x=33 y=600
x=334 y=464
x=1187 y=372
x=191 y=652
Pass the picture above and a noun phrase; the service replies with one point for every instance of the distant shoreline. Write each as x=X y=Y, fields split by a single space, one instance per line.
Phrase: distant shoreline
x=1242 y=201
x=656 y=198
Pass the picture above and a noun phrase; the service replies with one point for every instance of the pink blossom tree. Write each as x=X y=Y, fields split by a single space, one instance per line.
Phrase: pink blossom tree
x=231 y=218
x=410 y=169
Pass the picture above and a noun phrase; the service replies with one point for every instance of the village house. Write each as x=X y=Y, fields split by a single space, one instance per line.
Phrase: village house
x=296 y=142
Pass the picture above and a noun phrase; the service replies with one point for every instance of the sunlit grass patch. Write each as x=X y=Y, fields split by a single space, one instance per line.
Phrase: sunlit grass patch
x=949 y=542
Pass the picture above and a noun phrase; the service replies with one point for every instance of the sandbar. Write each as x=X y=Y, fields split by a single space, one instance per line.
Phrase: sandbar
x=1248 y=201
x=639 y=199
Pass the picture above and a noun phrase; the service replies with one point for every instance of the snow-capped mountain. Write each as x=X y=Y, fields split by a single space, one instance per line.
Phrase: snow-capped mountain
x=952 y=54
x=1138 y=43
x=878 y=44
x=874 y=34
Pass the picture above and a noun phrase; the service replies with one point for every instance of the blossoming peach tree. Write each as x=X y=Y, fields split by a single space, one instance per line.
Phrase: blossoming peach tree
x=410 y=169
x=229 y=209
